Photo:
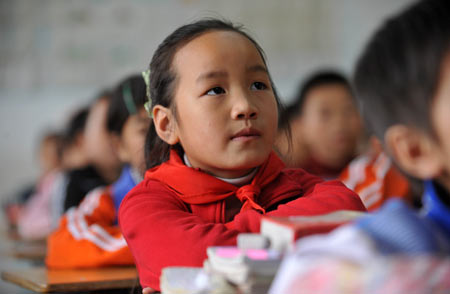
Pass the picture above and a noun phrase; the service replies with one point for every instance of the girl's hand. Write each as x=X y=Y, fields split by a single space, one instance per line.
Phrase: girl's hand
x=147 y=290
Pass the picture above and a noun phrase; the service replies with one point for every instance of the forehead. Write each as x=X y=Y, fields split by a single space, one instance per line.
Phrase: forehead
x=216 y=49
x=329 y=94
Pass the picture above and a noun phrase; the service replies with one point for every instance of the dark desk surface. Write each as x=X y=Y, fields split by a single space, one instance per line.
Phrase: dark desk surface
x=41 y=279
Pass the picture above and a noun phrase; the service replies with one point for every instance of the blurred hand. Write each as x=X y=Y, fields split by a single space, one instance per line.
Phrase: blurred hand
x=147 y=290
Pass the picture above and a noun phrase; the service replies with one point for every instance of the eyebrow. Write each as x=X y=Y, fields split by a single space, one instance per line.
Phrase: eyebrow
x=257 y=68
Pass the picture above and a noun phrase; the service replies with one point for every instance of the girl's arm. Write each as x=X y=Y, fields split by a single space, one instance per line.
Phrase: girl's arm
x=322 y=198
x=170 y=234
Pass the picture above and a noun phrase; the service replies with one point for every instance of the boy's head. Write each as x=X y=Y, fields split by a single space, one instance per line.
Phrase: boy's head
x=402 y=82
x=73 y=155
x=325 y=118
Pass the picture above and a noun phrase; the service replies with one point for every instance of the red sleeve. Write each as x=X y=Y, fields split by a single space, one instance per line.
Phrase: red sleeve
x=171 y=234
x=88 y=237
x=322 y=198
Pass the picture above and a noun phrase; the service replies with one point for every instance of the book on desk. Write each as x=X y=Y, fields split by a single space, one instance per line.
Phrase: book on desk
x=282 y=232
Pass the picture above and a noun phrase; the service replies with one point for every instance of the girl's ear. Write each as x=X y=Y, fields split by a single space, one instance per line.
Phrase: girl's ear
x=165 y=124
x=415 y=152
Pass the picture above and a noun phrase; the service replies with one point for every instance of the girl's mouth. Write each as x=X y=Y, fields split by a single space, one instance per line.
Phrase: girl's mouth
x=246 y=134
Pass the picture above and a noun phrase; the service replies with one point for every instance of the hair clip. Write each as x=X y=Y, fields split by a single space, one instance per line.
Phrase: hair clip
x=128 y=99
x=148 y=105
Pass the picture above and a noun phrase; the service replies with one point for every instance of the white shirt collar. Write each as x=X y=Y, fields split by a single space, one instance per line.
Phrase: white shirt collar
x=235 y=181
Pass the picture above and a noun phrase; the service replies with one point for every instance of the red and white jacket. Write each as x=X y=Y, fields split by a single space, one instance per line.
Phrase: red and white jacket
x=88 y=236
x=375 y=179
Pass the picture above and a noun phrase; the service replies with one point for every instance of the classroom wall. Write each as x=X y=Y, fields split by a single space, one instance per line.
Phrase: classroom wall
x=56 y=55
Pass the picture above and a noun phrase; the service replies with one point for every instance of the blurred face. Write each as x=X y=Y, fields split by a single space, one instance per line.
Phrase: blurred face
x=226 y=116
x=48 y=155
x=440 y=115
x=330 y=124
x=132 y=140
x=97 y=144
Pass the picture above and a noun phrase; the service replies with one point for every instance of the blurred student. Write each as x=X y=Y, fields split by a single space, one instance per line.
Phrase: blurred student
x=88 y=235
x=33 y=221
x=102 y=165
x=326 y=126
x=212 y=170
x=406 y=101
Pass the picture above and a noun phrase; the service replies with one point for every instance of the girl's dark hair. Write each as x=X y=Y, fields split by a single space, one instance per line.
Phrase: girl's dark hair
x=398 y=72
x=128 y=97
x=163 y=77
x=317 y=79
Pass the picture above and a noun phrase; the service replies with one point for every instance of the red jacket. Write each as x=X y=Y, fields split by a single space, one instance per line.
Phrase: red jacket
x=162 y=230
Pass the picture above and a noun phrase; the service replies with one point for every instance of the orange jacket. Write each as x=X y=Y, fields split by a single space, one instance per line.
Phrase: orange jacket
x=375 y=179
x=88 y=236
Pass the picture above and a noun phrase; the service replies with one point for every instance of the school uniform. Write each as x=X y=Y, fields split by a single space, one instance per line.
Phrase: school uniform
x=80 y=182
x=398 y=229
x=88 y=235
x=375 y=179
x=176 y=212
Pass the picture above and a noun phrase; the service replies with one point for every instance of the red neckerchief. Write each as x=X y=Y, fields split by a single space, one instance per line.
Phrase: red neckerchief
x=196 y=187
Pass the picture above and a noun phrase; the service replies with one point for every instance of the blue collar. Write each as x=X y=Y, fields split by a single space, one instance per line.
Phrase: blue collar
x=435 y=209
x=122 y=186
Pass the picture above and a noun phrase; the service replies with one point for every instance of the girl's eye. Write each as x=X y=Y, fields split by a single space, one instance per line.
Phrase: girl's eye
x=216 y=91
x=258 y=86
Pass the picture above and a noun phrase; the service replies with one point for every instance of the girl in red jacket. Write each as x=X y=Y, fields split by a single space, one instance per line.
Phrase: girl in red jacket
x=212 y=170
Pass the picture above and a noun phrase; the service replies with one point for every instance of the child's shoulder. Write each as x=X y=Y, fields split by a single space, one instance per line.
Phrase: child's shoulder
x=300 y=176
x=151 y=191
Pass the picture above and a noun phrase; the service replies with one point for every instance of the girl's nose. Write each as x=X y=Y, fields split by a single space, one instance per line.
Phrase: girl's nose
x=243 y=108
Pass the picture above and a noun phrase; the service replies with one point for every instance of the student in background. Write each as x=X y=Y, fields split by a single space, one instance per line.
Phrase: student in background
x=326 y=126
x=406 y=102
x=33 y=217
x=88 y=235
x=102 y=164
x=212 y=170
x=328 y=141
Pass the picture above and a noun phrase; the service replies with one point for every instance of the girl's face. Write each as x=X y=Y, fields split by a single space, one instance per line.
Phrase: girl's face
x=132 y=140
x=330 y=124
x=226 y=112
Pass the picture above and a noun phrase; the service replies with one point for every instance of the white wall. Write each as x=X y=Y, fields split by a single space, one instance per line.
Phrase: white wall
x=57 y=54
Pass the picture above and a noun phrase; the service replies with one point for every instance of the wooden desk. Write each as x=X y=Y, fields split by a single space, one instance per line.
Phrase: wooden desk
x=41 y=279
